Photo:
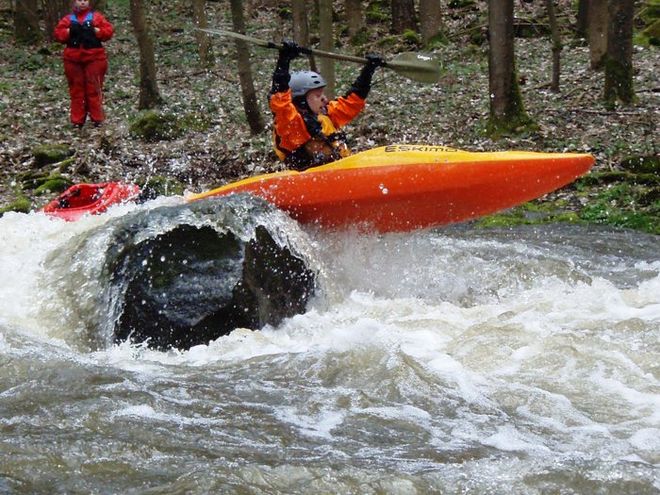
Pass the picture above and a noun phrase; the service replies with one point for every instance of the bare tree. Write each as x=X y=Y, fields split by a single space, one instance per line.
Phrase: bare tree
x=403 y=16
x=556 y=45
x=326 y=43
x=430 y=19
x=301 y=27
x=26 y=22
x=354 y=17
x=506 y=107
x=149 y=94
x=204 y=49
x=597 y=32
x=52 y=11
x=618 y=63
x=582 y=23
x=250 y=104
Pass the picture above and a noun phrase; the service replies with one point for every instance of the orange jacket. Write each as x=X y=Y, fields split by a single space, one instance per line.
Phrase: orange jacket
x=81 y=54
x=290 y=129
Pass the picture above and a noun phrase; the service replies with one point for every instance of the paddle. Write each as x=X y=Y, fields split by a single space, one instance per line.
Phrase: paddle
x=416 y=66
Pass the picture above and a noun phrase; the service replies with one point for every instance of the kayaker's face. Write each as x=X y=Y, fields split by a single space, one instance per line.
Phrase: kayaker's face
x=79 y=5
x=317 y=101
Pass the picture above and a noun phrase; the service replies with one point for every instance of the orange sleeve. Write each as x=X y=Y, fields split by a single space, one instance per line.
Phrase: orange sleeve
x=344 y=109
x=289 y=124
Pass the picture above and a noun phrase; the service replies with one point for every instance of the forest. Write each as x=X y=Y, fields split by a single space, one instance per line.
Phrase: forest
x=187 y=110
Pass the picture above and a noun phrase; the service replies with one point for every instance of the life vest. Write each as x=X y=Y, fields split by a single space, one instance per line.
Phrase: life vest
x=82 y=35
x=327 y=147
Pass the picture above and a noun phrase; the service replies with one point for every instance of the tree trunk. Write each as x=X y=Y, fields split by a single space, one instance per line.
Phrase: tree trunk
x=354 y=18
x=301 y=27
x=506 y=107
x=403 y=16
x=26 y=22
x=582 y=23
x=149 y=94
x=52 y=12
x=597 y=32
x=430 y=19
x=326 y=43
x=618 y=63
x=556 y=45
x=250 y=103
x=204 y=48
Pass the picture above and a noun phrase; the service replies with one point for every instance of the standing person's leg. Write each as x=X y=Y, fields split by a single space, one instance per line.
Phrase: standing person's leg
x=75 y=76
x=94 y=76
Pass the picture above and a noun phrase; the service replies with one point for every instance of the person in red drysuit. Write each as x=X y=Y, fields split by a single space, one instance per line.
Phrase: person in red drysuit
x=85 y=60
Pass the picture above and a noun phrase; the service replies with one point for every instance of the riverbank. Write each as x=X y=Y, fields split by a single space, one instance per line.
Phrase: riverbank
x=212 y=144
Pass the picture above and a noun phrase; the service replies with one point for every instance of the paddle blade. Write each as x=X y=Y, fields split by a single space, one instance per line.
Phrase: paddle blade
x=416 y=66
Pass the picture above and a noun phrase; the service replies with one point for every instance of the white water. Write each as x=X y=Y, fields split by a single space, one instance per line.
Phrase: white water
x=454 y=361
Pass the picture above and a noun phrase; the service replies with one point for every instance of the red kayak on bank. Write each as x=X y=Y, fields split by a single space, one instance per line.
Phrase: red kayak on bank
x=92 y=199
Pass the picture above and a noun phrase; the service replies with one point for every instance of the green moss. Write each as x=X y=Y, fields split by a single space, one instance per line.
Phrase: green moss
x=377 y=12
x=20 y=205
x=649 y=164
x=194 y=122
x=411 y=38
x=54 y=183
x=50 y=153
x=531 y=213
x=154 y=125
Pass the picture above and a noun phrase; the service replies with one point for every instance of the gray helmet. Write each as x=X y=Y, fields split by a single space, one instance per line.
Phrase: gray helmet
x=305 y=80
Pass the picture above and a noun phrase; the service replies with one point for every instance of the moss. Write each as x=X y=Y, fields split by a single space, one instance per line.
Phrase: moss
x=20 y=205
x=54 y=183
x=649 y=164
x=194 y=122
x=152 y=126
x=32 y=179
x=411 y=38
x=50 y=153
x=377 y=12
x=531 y=213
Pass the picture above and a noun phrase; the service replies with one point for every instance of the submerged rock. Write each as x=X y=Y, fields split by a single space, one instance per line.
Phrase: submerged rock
x=178 y=276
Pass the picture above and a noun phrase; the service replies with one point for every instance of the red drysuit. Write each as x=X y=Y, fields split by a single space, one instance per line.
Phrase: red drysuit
x=85 y=62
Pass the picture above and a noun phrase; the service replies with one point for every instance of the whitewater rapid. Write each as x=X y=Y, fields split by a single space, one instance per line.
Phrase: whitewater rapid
x=456 y=360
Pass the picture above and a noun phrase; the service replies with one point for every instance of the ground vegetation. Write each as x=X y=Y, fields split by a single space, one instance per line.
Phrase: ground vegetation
x=205 y=139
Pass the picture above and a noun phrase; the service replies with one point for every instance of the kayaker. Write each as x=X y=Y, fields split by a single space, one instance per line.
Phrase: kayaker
x=85 y=60
x=306 y=125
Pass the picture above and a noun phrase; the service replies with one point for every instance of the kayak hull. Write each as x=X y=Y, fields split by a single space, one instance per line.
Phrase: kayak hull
x=401 y=188
x=90 y=199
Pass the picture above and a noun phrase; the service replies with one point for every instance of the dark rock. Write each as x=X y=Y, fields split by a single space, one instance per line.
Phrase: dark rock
x=190 y=284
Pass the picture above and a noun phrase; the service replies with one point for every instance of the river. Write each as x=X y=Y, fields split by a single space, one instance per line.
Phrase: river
x=451 y=361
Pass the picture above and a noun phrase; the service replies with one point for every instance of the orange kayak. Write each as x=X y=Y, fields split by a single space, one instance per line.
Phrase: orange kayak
x=401 y=188
x=90 y=199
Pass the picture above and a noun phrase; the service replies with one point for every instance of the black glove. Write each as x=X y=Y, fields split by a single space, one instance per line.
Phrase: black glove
x=290 y=50
x=362 y=84
x=374 y=60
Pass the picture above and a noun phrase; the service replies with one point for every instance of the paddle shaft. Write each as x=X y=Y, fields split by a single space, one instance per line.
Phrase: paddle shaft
x=395 y=65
